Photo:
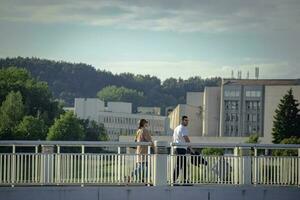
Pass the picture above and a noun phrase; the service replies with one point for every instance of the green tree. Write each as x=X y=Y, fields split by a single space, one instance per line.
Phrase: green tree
x=31 y=128
x=11 y=113
x=94 y=131
x=36 y=96
x=114 y=93
x=286 y=119
x=70 y=80
x=213 y=151
x=253 y=139
x=66 y=127
x=290 y=152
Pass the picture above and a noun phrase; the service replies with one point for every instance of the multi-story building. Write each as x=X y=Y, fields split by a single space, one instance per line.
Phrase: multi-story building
x=149 y=110
x=241 y=108
x=211 y=111
x=118 y=118
x=244 y=103
x=193 y=109
x=237 y=109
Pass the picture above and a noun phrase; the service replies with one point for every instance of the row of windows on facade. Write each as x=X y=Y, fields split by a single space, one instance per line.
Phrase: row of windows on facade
x=253 y=117
x=125 y=120
x=253 y=105
x=235 y=93
x=116 y=133
x=234 y=117
x=231 y=105
x=250 y=105
x=234 y=129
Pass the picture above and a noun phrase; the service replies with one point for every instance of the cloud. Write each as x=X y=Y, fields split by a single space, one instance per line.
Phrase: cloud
x=172 y=15
x=188 y=68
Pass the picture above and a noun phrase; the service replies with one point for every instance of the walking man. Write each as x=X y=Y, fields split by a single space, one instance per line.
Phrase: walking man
x=180 y=136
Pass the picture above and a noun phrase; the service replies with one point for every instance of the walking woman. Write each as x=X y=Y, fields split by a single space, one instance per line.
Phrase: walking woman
x=142 y=135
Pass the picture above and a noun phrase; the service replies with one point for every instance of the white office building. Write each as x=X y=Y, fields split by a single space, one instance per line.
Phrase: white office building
x=118 y=118
x=234 y=111
x=149 y=110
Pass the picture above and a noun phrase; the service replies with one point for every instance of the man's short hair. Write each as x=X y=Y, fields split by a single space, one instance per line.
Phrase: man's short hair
x=184 y=117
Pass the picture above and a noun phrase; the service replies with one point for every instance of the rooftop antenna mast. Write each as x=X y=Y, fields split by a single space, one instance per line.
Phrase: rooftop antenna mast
x=256 y=72
x=239 y=74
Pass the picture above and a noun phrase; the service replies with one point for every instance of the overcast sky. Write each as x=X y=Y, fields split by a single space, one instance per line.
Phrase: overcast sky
x=163 y=38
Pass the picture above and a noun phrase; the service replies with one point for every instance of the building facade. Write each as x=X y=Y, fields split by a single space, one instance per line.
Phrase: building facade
x=236 y=110
x=195 y=117
x=118 y=118
x=149 y=110
x=193 y=109
x=248 y=106
x=241 y=109
x=211 y=111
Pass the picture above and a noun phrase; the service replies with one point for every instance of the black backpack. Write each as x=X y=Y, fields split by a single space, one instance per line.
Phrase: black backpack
x=197 y=159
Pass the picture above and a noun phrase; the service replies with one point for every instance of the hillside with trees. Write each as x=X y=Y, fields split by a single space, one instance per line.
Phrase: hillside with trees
x=70 y=80
x=28 y=111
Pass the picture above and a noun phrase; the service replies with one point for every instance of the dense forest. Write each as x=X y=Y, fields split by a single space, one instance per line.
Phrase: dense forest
x=28 y=111
x=70 y=80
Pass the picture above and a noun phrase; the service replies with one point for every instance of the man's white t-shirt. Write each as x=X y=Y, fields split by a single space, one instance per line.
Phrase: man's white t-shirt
x=178 y=134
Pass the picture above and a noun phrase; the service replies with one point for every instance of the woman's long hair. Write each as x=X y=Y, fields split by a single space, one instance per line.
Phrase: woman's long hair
x=142 y=123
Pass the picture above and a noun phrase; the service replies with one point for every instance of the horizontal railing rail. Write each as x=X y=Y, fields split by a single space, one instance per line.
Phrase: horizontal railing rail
x=234 y=145
x=70 y=169
x=241 y=167
x=71 y=143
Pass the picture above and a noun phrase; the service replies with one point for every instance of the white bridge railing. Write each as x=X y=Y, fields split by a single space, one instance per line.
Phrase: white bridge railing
x=48 y=165
x=69 y=169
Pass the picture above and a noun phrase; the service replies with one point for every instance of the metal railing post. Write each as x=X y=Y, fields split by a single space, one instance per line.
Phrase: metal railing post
x=48 y=163
x=236 y=166
x=160 y=163
x=58 y=166
x=13 y=168
x=245 y=166
x=82 y=165
x=119 y=165
x=298 y=167
x=255 y=166
x=172 y=160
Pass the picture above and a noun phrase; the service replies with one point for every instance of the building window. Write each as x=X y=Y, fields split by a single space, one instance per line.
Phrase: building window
x=231 y=93
x=227 y=118
x=253 y=93
x=253 y=105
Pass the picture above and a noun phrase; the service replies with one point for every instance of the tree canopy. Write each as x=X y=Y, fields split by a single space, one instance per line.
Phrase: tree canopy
x=113 y=93
x=31 y=128
x=11 y=113
x=66 y=127
x=70 y=80
x=36 y=96
x=287 y=118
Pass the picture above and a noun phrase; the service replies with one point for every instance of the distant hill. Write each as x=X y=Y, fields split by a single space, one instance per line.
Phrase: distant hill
x=70 y=80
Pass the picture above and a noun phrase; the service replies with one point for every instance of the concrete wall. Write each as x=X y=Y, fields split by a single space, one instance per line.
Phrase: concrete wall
x=273 y=94
x=88 y=108
x=127 y=123
x=194 y=139
x=195 y=118
x=119 y=107
x=194 y=98
x=211 y=111
x=150 y=193
x=149 y=110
